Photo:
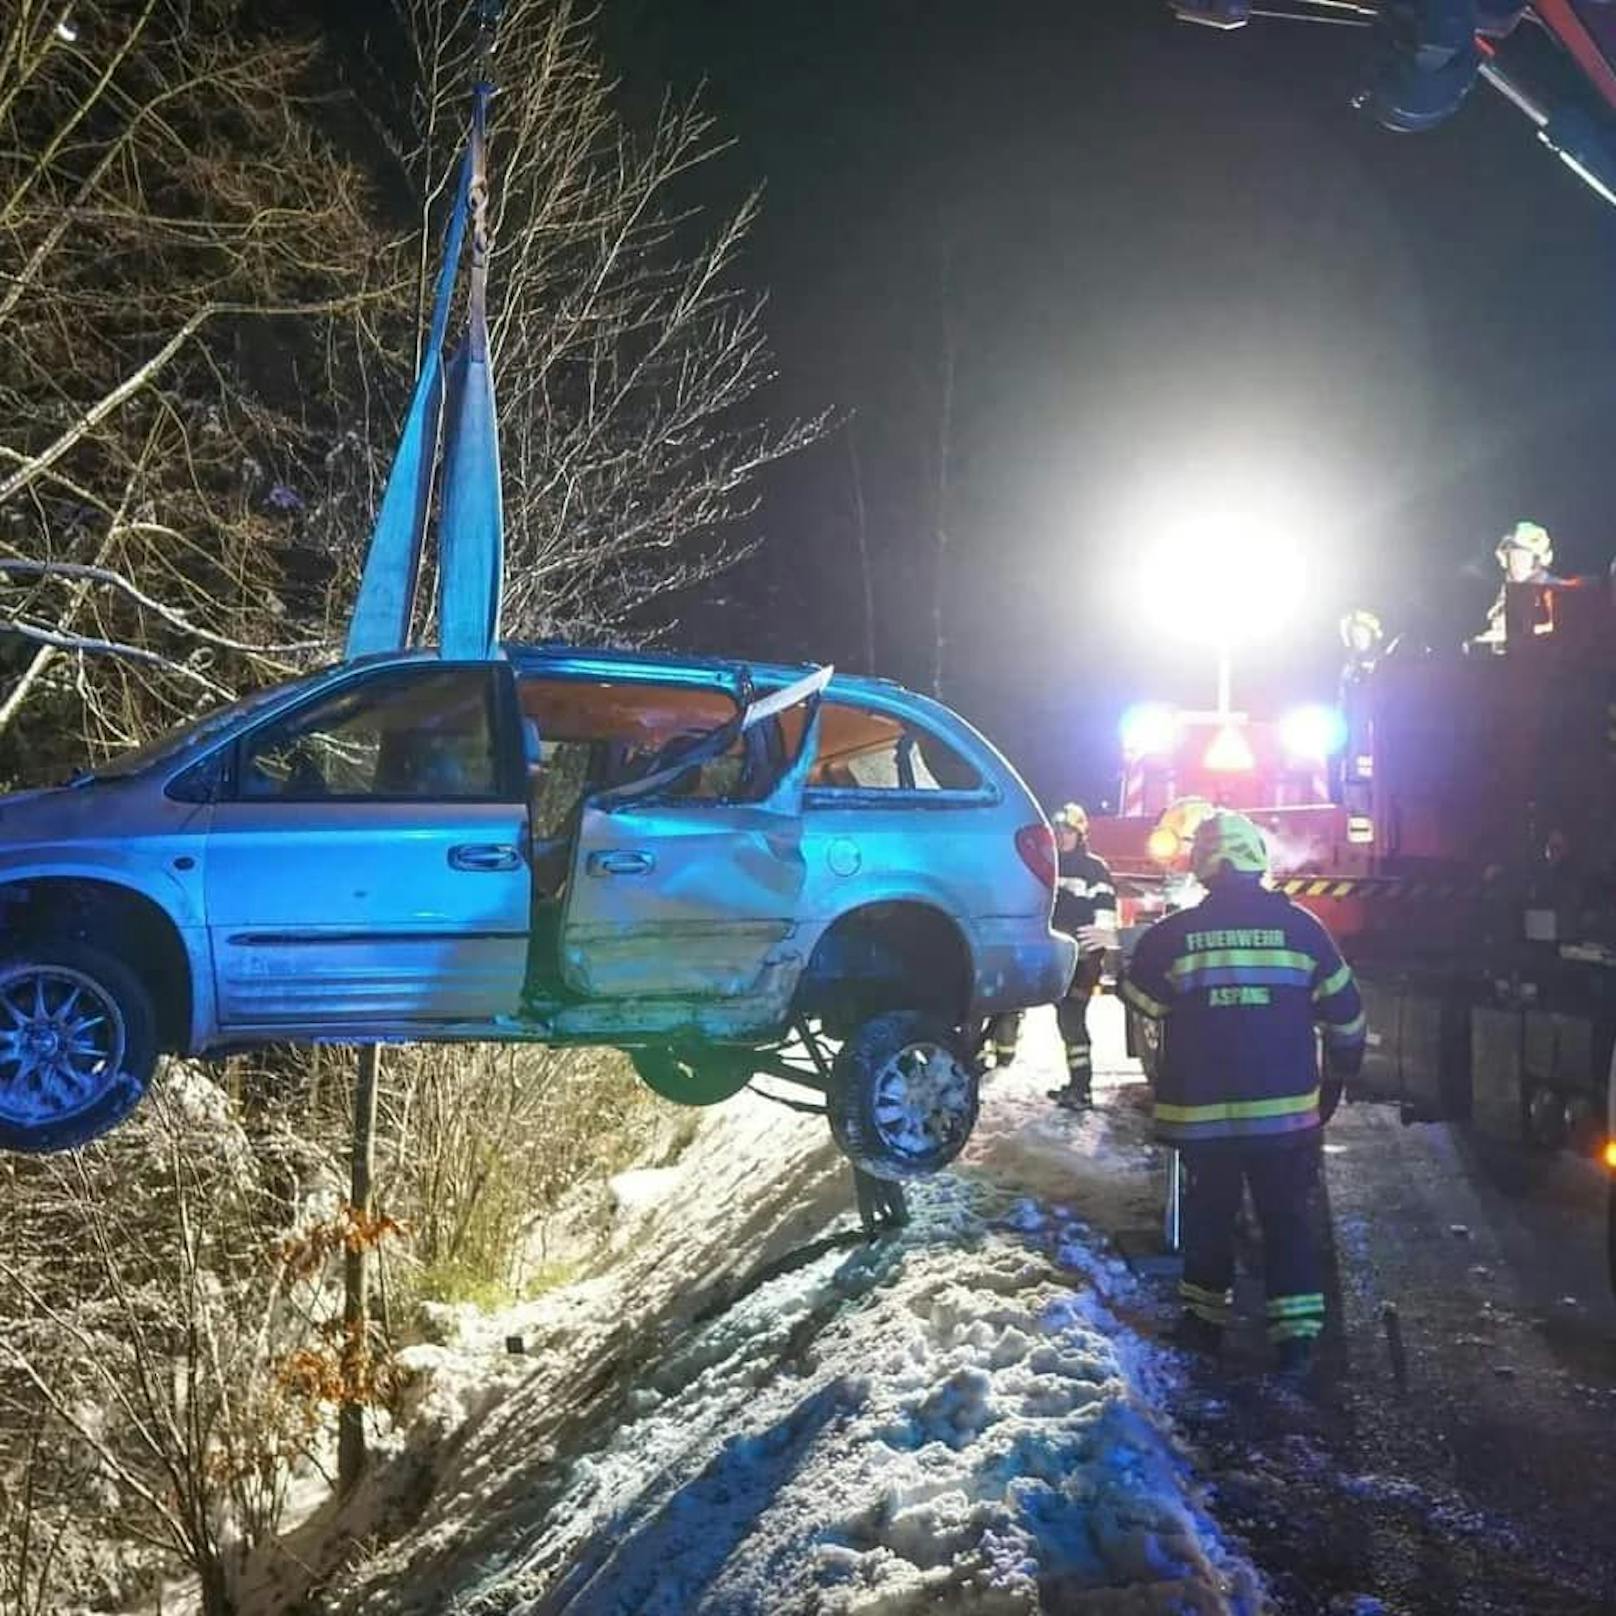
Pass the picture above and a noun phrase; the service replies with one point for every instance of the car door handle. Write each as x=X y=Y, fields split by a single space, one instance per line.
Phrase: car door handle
x=620 y=863
x=484 y=856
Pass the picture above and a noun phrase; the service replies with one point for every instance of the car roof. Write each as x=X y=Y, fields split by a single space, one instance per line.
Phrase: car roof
x=534 y=656
x=531 y=658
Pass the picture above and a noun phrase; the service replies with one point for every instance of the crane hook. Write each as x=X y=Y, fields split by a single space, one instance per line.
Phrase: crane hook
x=487 y=12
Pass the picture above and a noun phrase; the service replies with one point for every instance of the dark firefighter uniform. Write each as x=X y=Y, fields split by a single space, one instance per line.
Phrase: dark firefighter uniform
x=1239 y=983
x=1085 y=898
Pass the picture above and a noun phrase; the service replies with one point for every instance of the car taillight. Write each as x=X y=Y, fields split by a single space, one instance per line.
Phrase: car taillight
x=1036 y=845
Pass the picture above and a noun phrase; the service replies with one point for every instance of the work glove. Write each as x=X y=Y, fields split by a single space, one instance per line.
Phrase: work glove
x=1096 y=939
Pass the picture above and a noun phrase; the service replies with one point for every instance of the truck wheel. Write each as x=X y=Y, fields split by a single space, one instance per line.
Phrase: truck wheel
x=78 y=1044
x=904 y=1095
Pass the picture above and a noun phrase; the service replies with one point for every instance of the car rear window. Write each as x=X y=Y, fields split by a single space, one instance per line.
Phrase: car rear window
x=861 y=749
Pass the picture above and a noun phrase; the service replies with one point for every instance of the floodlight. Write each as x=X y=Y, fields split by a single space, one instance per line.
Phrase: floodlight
x=1222 y=567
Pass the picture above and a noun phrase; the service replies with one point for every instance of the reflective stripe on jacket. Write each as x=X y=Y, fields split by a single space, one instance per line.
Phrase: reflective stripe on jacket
x=1084 y=892
x=1239 y=982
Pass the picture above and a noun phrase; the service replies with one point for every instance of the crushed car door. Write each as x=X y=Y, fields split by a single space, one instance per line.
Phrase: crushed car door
x=671 y=896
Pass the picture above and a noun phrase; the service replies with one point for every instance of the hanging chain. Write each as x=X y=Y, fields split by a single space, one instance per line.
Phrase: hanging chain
x=487 y=22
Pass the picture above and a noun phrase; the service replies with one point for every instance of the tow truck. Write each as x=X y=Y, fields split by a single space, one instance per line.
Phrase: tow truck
x=1179 y=764
x=1450 y=822
x=1454 y=821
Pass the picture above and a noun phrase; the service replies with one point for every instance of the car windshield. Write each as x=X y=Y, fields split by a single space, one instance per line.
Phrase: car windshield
x=194 y=732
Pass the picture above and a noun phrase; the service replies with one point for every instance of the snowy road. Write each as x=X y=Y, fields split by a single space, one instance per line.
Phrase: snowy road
x=1473 y=1472
x=959 y=1419
x=746 y=1410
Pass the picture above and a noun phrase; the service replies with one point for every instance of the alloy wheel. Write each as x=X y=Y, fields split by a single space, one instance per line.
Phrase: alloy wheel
x=922 y=1099
x=62 y=1042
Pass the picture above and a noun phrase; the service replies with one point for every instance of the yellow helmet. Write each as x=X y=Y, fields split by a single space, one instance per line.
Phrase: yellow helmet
x=1528 y=536
x=1227 y=841
x=1072 y=816
x=1361 y=631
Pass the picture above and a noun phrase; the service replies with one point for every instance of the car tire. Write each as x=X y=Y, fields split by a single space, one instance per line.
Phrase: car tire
x=56 y=1099
x=904 y=1095
x=694 y=1074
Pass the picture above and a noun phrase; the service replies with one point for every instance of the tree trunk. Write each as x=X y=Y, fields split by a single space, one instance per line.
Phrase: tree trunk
x=356 y=1277
x=214 y=1587
x=861 y=537
x=943 y=492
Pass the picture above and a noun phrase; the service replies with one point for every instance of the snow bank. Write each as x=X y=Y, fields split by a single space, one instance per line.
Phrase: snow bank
x=956 y=1420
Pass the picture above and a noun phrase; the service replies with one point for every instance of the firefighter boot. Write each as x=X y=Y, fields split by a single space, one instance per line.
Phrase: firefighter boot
x=1078 y=1095
x=1195 y=1334
x=1006 y=1035
x=882 y=1206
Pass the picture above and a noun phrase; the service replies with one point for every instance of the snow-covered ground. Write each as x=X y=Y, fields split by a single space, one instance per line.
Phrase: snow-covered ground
x=747 y=1410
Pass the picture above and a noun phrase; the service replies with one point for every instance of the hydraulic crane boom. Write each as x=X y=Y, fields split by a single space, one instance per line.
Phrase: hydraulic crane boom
x=1554 y=60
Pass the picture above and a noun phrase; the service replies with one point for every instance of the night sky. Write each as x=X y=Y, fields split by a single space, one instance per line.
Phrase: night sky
x=1162 y=257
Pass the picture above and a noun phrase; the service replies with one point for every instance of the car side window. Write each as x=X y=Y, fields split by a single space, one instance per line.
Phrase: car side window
x=595 y=735
x=410 y=734
x=861 y=749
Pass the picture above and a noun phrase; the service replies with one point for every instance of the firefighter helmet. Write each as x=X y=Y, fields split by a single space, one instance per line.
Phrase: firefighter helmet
x=1169 y=843
x=1528 y=536
x=1226 y=841
x=1072 y=816
x=1361 y=632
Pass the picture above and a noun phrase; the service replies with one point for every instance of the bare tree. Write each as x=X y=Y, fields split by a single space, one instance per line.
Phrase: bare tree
x=861 y=540
x=206 y=333
x=160 y=1312
x=943 y=469
x=629 y=361
x=192 y=287
x=208 y=325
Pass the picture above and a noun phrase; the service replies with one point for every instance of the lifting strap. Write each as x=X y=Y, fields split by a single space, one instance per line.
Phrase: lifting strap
x=451 y=412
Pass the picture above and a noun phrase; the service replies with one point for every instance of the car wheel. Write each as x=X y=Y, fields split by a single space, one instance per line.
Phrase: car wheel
x=904 y=1095
x=693 y=1075
x=78 y=1044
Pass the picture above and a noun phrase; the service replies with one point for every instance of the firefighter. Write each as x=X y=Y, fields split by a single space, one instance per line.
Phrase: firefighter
x=1363 y=638
x=1524 y=553
x=1086 y=910
x=1239 y=982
